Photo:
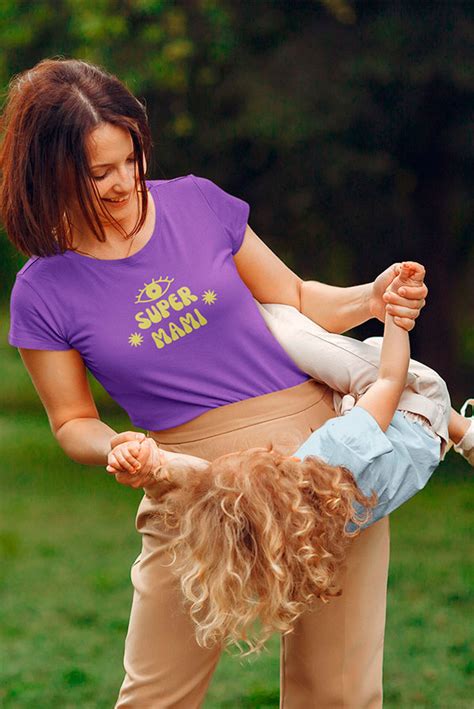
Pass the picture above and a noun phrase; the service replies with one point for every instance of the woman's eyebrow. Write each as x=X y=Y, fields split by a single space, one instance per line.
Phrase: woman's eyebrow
x=107 y=164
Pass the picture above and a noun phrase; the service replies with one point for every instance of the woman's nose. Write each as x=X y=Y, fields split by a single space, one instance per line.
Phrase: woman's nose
x=125 y=178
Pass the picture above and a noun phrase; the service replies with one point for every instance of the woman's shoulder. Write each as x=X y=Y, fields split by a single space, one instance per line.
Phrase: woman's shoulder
x=40 y=273
x=184 y=182
x=172 y=183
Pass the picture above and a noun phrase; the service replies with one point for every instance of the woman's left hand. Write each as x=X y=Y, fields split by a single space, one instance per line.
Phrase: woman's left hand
x=405 y=305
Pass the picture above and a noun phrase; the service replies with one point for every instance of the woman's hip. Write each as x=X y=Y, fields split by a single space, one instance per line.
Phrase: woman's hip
x=281 y=419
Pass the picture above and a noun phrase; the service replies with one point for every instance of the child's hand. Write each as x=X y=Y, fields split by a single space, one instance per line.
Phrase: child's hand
x=407 y=306
x=135 y=463
x=410 y=274
x=409 y=281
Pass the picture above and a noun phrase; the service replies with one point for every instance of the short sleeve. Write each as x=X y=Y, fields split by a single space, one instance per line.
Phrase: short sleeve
x=354 y=441
x=33 y=324
x=232 y=212
x=395 y=465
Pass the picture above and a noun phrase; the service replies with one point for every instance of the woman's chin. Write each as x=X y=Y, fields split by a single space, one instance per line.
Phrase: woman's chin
x=121 y=213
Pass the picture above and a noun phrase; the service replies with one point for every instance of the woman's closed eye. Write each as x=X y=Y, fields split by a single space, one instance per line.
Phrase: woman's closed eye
x=98 y=178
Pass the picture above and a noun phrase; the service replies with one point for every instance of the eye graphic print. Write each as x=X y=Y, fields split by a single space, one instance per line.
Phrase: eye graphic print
x=155 y=289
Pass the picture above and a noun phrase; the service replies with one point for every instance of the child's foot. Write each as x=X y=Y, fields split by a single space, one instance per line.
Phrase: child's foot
x=466 y=445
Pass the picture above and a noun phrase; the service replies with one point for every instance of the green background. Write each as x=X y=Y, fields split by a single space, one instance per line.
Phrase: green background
x=347 y=126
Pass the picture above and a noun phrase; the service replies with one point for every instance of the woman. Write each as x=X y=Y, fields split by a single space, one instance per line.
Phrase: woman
x=149 y=285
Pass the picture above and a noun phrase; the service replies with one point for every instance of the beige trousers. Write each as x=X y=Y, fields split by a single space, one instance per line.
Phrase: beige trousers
x=334 y=656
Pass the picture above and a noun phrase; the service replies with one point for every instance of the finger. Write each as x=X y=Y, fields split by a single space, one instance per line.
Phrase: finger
x=144 y=454
x=132 y=453
x=415 y=269
x=398 y=300
x=115 y=468
x=150 y=456
x=399 y=312
x=154 y=461
x=125 y=436
x=406 y=323
x=390 y=273
x=125 y=460
x=111 y=469
x=112 y=460
x=414 y=292
x=409 y=292
x=149 y=464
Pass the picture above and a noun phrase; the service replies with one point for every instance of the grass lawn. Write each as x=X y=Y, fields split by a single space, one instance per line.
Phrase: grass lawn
x=67 y=541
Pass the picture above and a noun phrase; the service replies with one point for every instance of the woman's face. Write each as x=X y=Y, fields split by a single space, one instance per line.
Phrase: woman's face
x=113 y=169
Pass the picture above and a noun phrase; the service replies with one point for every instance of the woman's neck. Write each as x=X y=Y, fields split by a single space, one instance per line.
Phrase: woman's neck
x=116 y=246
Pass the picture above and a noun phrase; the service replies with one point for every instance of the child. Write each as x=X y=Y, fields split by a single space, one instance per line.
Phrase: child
x=262 y=535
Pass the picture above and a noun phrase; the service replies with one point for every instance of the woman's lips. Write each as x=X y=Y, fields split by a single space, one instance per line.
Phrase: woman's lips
x=122 y=203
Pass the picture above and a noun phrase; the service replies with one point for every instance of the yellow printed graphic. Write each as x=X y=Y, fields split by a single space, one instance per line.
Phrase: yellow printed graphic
x=209 y=297
x=135 y=339
x=167 y=312
x=161 y=310
x=187 y=323
x=156 y=289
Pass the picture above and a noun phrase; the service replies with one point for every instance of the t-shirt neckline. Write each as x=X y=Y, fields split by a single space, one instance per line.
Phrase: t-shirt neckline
x=135 y=256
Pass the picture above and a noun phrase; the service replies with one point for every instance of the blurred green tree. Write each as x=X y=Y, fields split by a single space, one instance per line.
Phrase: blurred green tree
x=346 y=124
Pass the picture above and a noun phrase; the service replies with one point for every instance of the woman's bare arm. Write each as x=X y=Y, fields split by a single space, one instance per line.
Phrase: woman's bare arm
x=61 y=382
x=336 y=309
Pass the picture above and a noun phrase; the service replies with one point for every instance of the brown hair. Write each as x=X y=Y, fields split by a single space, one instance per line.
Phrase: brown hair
x=50 y=111
x=258 y=536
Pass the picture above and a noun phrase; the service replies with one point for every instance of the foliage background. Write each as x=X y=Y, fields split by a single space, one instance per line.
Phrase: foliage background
x=347 y=126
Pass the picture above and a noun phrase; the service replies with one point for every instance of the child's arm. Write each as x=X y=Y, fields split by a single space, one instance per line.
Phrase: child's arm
x=137 y=464
x=381 y=400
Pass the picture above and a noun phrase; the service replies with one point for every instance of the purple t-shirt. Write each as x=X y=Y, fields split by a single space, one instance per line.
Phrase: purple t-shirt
x=170 y=331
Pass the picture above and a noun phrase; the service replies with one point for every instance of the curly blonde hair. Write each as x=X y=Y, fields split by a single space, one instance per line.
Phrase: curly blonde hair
x=259 y=537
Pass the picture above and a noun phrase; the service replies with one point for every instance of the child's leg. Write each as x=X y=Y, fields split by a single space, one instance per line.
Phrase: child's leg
x=461 y=429
x=458 y=426
x=345 y=364
x=350 y=367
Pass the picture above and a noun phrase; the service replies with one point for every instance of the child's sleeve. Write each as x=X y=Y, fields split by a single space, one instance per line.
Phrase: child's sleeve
x=354 y=441
x=395 y=465
x=33 y=323
x=231 y=212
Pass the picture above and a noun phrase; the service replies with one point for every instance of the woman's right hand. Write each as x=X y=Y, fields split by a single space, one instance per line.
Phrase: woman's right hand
x=149 y=457
x=134 y=459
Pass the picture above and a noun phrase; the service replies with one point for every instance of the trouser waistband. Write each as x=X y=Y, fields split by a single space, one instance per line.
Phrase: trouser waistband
x=248 y=412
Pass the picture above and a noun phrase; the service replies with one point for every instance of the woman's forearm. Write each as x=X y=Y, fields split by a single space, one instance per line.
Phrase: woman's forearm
x=334 y=308
x=86 y=440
